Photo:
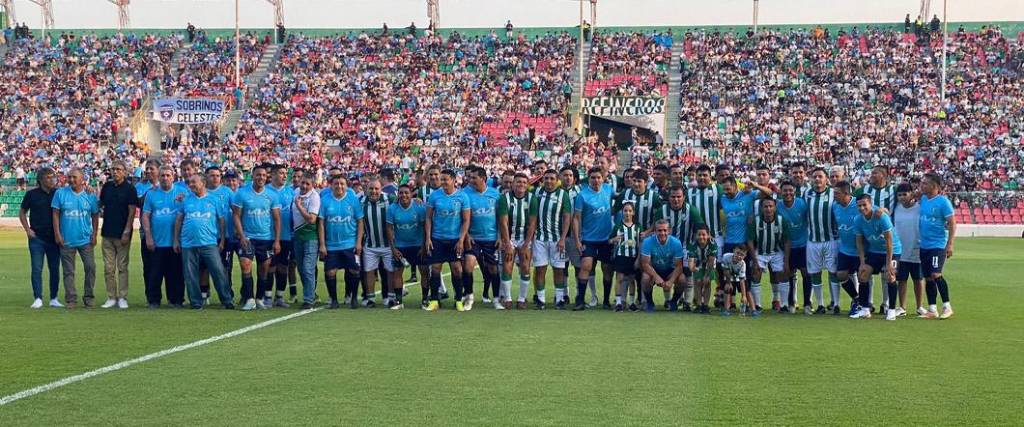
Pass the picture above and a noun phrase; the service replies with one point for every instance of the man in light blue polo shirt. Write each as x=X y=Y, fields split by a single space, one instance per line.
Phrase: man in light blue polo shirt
x=199 y=235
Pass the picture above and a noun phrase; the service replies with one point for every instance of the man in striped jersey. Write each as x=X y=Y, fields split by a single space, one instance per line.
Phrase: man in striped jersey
x=822 y=245
x=682 y=221
x=376 y=248
x=645 y=203
x=661 y=181
x=482 y=243
x=768 y=243
x=883 y=195
x=550 y=212
x=570 y=180
x=706 y=198
x=513 y=221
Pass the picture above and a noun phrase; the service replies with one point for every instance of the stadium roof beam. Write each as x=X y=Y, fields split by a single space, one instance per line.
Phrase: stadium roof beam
x=434 y=13
x=8 y=5
x=46 y=8
x=278 y=11
x=123 y=21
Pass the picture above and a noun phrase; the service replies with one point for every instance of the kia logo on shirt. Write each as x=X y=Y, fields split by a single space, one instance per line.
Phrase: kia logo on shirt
x=340 y=220
x=200 y=215
x=483 y=211
x=164 y=212
x=76 y=213
x=257 y=212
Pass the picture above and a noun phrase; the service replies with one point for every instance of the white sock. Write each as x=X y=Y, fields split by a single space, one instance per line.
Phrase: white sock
x=630 y=299
x=783 y=293
x=559 y=294
x=688 y=293
x=833 y=290
x=592 y=284
x=618 y=300
x=506 y=289
x=755 y=293
x=279 y=294
x=946 y=306
x=540 y=294
x=524 y=288
x=775 y=292
x=817 y=292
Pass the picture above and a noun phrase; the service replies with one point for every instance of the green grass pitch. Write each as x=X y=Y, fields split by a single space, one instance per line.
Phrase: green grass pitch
x=379 y=367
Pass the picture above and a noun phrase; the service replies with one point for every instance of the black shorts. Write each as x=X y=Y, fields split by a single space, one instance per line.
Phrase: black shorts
x=443 y=251
x=664 y=273
x=908 y=270
x=341 y=259
x=797 y=258
x=261 y=250
x=624 y=265
x=411 y=255
x=231 y=247
x=599 y=251
x=877 y=261
x=847 y=263
x=285 y=256
x=932 y=261
x=485 y=252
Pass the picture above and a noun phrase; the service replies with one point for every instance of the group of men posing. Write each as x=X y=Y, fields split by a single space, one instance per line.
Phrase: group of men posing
x=679 y=229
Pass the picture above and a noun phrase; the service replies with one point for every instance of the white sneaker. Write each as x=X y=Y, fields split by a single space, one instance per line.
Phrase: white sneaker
x=56 y=303
x=593 y=301
x=109 y=303
x=260 y=305
x=863 y=313
x=122 y=303
x=467 y=302
x=498 y=305
x=38 y=303
x=486 y=300
x=921 y=312
x=890 y=314
x=900 y=312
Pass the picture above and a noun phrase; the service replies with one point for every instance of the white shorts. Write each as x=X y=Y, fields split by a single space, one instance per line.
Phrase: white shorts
x=517 y=245
x=374 y=257
x=547 y=253
x=772 y=261
x=720 y=241
x=821 y=256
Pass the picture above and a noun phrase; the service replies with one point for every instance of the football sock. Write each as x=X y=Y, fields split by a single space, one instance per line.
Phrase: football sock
x=931 y=289
x=541 y=294
x=668 y=294
x=292 y=290
x=807 y=286
x=894 y=289
x=281 y=277
x=864 y=292
x=592 y=284
x=457 y=285
x=332 y=287
x=649 y=296
x=262 y=289
x=783 y=293
x=581 y=291
x=607 y=289
x=943 y=289
x=775 y=292
x=833 y=288
x=618 y=299
x=435 y=285
x=850 y=289
x=352 y=285
x=247 y=287
x=487 y=283
x=755 y=293
x=506 y=285
x=467 y=283
x=524 y=286
x=816 y=289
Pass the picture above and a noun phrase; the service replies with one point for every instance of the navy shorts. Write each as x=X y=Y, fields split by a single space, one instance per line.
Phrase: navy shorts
x=261 y=250
x=341 y=259
x=908 y=270
x=932 y=261
x=624 y=265
x=231 y=247
x=599 y=251
x=444 y=251
x=285 y=256
x=877 y=261
x=847 y=263
x=797 y=258
x=411 y=255
x=664 y=273
x=485 y=252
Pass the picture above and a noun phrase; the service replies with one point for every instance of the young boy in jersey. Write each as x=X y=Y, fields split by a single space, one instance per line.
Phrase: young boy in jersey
x=703 y=253
x=624 y=238
x=734 y=275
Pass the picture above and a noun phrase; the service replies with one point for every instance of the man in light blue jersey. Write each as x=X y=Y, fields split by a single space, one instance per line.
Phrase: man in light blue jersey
x=222 y=193
x=844 y=212
x=75 y=225
x=149 y=182
x=938 y=231
x=159 y=212
x=879 y=248
x=232 y=182
x=186 y=169
x=198 y=236
x=592 y=224
x=340 y=230
x=405 y=222
x=446 y=229
x=883 y=195
x=569 y=179
x=482 y=242
x=794 y=210
x=257 y=220
x=737 y=210
x=661 y=260
x=277 y=278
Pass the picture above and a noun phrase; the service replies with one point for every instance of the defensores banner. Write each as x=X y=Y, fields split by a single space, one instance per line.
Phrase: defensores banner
x=188 y=111
x=605 y=106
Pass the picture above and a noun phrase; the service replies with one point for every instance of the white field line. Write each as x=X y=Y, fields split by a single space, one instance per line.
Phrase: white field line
x=121 y=365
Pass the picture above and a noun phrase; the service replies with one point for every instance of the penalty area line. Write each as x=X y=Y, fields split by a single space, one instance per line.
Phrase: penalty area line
x=127 y=363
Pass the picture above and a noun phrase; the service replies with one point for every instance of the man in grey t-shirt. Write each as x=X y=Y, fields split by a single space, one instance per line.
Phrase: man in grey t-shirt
x=905 y=219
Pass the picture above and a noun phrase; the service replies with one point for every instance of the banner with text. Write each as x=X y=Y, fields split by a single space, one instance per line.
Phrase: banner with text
x=188 y=111
x=605 y=106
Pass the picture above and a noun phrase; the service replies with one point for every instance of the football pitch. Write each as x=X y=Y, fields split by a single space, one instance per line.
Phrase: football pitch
x=382 y=367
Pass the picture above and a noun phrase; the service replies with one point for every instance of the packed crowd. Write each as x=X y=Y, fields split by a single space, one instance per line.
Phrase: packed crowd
x=629 y=64
x=207 y=67
x=857 y=99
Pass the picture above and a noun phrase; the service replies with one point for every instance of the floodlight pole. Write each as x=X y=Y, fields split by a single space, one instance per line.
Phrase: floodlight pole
x=434 y=13
x=593 y=14
x=755 y=17
x=580 y=55
x=945 y=42
x=278 y=11
x=8 y=5
x=123 y=21
x=46 y=8
x=238 y=50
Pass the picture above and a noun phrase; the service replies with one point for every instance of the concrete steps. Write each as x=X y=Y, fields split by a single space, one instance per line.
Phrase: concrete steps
x=252 y=82
x=672 y=105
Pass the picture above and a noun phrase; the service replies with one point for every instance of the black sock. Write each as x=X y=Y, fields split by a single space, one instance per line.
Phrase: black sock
x=352 y=285
x=332 y=287
x=398 y=296
x=807 y=290
x=792 y=292
x=676 y=294
x=943 y=289
x=607 y=284
x=649 y=294
x=487 y=282
x=457 y=284
x=385 y=283
x=361 y=285
x=894 y=290
x=282 y=280
x=246 y=287
x=262 y=286
x=435 y=285
x=864 y=292
x=268 y=283
x=467 y=282
x=292 y=289
x=931 y=289
x=581 y=290
x=850 y=289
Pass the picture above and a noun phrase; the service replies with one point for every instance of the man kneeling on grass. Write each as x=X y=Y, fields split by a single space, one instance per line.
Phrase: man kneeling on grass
x=661 y=258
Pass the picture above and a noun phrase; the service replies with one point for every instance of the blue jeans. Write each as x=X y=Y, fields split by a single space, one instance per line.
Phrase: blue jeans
x=208 y=257
x=305 y=253
x=37 y=249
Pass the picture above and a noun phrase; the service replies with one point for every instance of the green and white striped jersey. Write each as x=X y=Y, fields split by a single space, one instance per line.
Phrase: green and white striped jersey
x=549 y=207
x=644 y=206
x=821 y=225
x=708 y=202
x=517 y=213
x=375 y=216
x=630 y=243
x=804 y=190
x=701 y=254
x=884 y=197
x=768 y=237
x=423 y=192
x=682 y=221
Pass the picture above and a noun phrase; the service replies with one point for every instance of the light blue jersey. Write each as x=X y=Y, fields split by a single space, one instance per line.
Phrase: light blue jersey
x=76 y=211
x=257 y=216
x=796 y=215
x=483 y=223
x=407 y=224
x=738 y=210
x=341 y=219
x=162 y=206
x=595 y=208
x=199 y=223
x=934 y=214
x=286 y=195
x=873 y=231
x=663 y=256
x=845 y=218
x=446 y=223
x=224 y=195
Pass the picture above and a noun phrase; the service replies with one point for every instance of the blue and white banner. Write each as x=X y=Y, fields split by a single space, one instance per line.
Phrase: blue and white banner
x=188 y=111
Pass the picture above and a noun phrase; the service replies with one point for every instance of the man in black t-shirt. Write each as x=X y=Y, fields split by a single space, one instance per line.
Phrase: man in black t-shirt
x=36 y=218
x=118 y=202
